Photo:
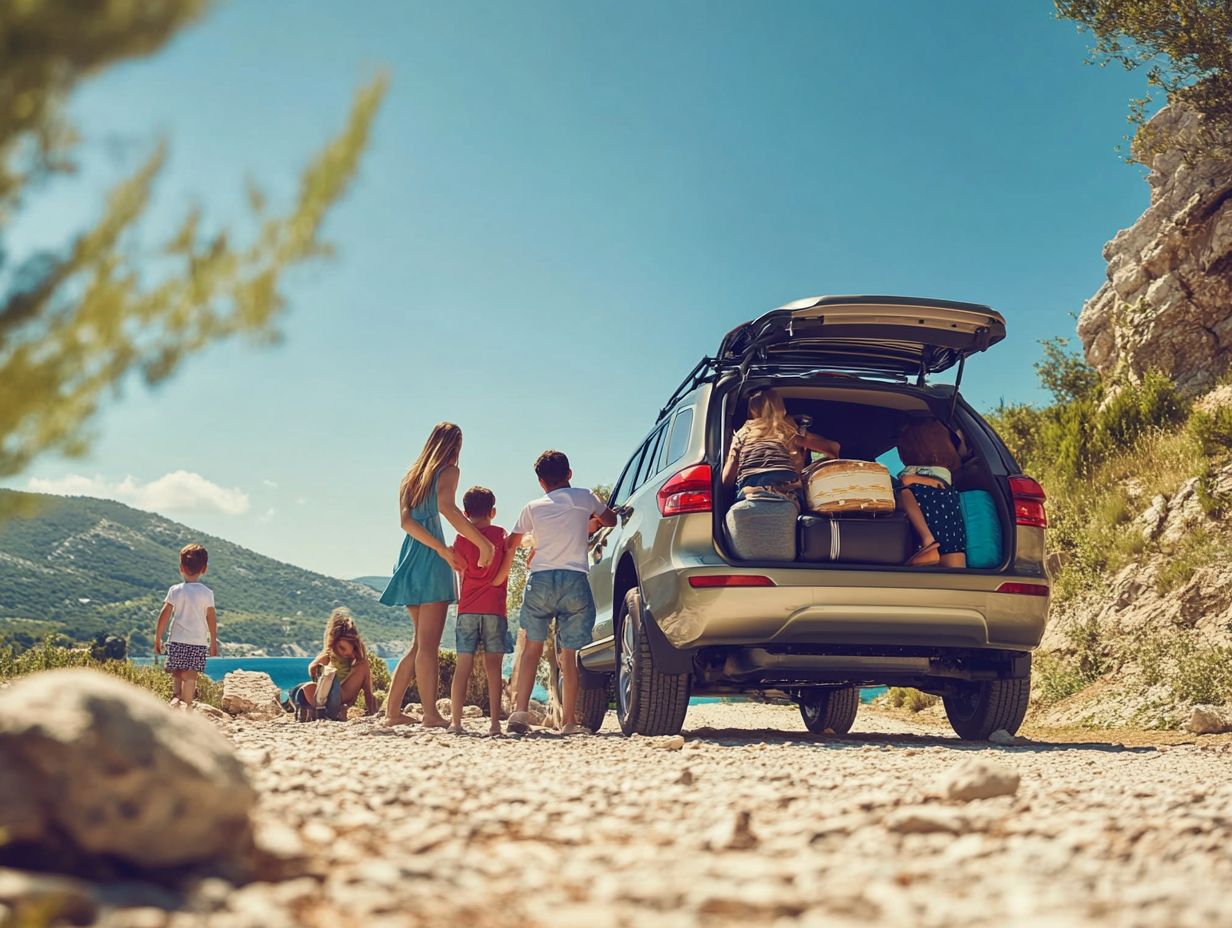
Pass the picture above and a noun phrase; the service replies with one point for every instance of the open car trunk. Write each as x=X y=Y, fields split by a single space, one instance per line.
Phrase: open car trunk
x=865 y=418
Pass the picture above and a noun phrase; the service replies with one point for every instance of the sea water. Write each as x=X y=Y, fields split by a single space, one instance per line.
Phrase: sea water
x=287 y=672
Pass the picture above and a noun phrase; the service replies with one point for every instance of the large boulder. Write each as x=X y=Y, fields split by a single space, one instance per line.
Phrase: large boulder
x=251 y=694
x=95 y=769
x=1167 y=304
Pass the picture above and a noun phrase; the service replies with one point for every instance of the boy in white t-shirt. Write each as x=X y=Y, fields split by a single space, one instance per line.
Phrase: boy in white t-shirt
x=189 y=607
x=557 y=587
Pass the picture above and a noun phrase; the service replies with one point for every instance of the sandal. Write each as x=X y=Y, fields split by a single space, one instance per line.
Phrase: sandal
x=928 y=556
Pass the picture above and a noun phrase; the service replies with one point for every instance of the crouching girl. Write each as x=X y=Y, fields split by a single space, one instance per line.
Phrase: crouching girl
x=339 y=673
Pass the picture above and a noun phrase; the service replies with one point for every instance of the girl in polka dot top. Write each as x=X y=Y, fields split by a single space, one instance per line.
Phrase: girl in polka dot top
x=928 y=497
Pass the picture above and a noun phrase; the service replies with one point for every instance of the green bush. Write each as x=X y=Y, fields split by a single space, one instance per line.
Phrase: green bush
x=47 y=655
x=905 y=697
x=1212 y=430
x=1056 y=677
x=1194 y=670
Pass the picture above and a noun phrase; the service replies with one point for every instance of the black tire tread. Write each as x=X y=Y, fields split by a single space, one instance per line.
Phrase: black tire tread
x=660 y=700
x=838 y=711
x=591 y=708
x=1003 y=706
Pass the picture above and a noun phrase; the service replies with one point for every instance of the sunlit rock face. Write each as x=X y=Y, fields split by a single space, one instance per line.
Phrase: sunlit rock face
x=1167 y=304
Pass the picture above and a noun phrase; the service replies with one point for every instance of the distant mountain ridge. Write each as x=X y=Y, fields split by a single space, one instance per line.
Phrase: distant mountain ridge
x=79 y=565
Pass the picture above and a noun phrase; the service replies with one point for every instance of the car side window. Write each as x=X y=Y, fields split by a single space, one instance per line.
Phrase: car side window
x=624 y=484
x=647 y=468
x=682 y=430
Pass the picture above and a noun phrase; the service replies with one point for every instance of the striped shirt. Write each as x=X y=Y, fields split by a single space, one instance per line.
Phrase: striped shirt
x=759 y=455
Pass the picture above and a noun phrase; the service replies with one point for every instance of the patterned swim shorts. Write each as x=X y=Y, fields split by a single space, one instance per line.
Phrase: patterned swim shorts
x=182 y=656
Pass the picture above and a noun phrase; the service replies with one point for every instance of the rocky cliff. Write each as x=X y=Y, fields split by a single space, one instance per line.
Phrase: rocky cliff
x=1167 y=304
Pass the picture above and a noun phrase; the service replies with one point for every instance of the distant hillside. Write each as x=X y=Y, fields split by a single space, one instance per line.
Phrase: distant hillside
x=377 y=583
x=77 y=565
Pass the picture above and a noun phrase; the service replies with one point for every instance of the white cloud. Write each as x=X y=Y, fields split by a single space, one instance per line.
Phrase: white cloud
x=272 y=484
x=178 y=491
x=299 y=500
x=268 y=514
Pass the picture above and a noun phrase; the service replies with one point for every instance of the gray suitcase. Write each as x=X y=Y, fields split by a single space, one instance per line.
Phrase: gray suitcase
x=763 y=528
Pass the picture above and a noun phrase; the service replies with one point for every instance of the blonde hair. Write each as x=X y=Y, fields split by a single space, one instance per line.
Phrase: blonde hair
x=768 y=419
x=439 y=451
x=341 y=625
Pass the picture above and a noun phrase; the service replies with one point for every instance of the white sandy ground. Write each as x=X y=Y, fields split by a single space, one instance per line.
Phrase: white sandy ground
x=425 y=828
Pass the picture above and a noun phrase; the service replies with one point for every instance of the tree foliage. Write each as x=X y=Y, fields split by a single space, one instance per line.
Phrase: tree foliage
x=1185 y=47
x=76 y=320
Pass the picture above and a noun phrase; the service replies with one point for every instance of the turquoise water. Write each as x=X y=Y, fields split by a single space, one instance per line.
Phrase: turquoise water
x=286 y=672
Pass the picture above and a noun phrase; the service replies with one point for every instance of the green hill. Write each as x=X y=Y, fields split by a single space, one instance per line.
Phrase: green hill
x=77 y=566
x=377 y=583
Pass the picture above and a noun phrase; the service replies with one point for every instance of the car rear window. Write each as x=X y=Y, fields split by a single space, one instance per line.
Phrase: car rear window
x=682 y=429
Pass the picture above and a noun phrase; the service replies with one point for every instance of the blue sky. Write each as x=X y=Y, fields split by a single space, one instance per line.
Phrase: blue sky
x=563 y=207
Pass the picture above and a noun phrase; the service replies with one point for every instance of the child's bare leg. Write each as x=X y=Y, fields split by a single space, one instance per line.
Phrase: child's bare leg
x=175 y=686
x=349 y=691
x=404 y=674
x=310 y=693
x=569 y=671
x=906 y=499
x=956 y=559
x=429 y=625
x=188 y=688
x=527 y=667
x=492 y=669
x=457 y=693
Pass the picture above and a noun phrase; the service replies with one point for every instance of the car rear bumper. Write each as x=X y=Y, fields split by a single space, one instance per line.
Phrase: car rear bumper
x=810 y=607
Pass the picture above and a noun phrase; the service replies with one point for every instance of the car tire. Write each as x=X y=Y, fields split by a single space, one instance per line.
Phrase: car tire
x=647 y=702
x=831 y=709
x=976 y=710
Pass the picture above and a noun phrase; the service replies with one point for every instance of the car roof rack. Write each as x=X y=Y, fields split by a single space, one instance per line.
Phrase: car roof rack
x=695 y=377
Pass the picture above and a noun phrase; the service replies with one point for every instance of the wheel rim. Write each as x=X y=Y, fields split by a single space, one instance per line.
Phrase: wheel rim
x=625 y=689
x=810 y=708
x=966 y=701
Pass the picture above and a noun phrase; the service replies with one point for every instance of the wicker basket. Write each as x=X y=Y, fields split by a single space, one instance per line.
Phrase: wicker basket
x=839 y=485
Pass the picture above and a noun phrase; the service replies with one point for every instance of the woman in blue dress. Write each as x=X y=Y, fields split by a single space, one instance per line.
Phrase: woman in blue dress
x=423 y=580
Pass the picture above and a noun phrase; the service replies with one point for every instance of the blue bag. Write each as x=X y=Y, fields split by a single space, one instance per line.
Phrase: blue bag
x=985 y=548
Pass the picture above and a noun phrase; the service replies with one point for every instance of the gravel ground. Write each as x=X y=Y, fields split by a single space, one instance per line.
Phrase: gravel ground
x=746 y=820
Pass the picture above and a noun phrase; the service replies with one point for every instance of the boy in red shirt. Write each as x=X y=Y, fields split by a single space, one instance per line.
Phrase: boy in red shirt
x=481 y=610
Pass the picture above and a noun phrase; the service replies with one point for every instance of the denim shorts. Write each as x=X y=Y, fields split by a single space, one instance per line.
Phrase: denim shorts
x=492 y=630
x=563 y=595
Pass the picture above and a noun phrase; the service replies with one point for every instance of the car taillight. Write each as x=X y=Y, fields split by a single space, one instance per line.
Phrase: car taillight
x=710 y=581
x=1023 y=589
x=687 y=491
x=1028 y=502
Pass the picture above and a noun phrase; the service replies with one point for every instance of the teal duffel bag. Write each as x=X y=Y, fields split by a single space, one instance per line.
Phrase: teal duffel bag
x=984 y=543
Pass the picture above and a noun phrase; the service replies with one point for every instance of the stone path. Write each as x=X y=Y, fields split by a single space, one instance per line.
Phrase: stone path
x=744 y=821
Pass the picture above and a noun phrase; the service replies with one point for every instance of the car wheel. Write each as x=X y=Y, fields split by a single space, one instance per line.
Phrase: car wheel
x=976 y=710
x=647 y=702
x=831 y=709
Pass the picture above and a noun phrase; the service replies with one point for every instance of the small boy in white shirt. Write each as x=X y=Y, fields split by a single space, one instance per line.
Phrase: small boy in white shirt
x=189 y=607
x=557 y=587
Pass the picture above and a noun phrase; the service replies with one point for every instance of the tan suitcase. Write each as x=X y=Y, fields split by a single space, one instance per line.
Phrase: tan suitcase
x=838 y=485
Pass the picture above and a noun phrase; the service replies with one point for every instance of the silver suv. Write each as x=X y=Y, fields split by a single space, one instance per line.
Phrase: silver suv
x=679 y=615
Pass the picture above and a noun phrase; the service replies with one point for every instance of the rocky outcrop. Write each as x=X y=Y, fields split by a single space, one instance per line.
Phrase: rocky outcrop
x=252 y=695
x=1167 y=304
x=94 y=770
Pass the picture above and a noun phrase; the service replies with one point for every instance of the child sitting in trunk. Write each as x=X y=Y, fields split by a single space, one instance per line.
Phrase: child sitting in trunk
x=345 y=658
x=928 y=497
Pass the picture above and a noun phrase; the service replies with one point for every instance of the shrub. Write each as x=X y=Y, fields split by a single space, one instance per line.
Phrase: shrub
x=47 y=655
x=1056 y=677
x=1194 y=669
x=913 y=700
x=1212 y=430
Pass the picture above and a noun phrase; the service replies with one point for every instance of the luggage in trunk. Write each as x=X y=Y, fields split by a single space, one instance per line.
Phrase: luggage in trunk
x=882 y=539
x=840 y=485
x=762 y=527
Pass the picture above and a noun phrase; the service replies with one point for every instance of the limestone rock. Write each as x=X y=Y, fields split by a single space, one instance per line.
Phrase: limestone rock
x=976 y=778
x=251 y=694
x=734 y=833
x=922 y=820
x=1167 y=304
x=1209 y=720
x=104 y=769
